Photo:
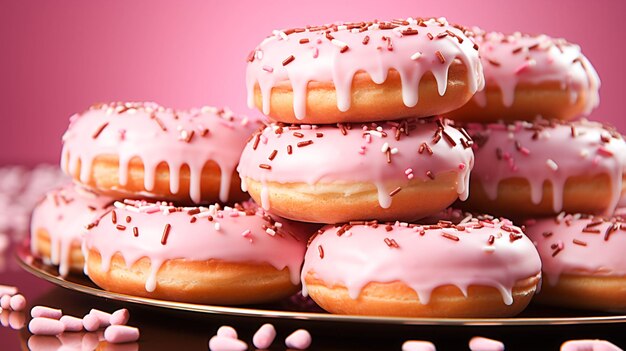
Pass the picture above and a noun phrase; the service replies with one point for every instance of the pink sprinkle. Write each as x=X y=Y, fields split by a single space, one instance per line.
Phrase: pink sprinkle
x=506 y=156
x=461 y=166
x=72 y=324
x=17 y=302
x=410 y=170
x=227 y=332
x=299 y=340
x=233 y=214
x=119 y=317
x=47 y=312
x=91 y=323
x=103 y=317
x=368 y=138
x=362 y=151
x=263 y=139
x=8 y=290
x=246 y=233
x=268 y=69
x=418 y=345
x=589 y=345
x=410 y=176
x=220 y=343
x=316 y=52
x=152 y=209
x=5 y=302
x=122 y=133
x=478 y=343
x=119 y=334
x=45 y=326
x=604 y=151
x=264 y=337
x=524 y=151
x=560 y=245
x=596 y=160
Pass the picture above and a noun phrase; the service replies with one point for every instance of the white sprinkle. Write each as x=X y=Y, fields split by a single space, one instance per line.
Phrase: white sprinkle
x=246 y=233
x=259 y=55
x=416 y=56
x=394 y=150
x=385 y=147
x=338 y=43
x=270 y=231
x=584 y=153
x=217 y=226
x=552 y=165
x=408 y=171
x=489 y=248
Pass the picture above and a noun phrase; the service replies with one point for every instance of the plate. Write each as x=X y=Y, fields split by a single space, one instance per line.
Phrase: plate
x=289 y=310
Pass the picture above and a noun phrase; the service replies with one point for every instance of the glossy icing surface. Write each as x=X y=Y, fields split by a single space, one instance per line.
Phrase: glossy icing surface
x=161 y=232
x=64 y=213
x=370 y=153
x=547 y=151
x=155 y=135
x=579 y=245
x=478 y=251
x=509 y=60
x=335 y=52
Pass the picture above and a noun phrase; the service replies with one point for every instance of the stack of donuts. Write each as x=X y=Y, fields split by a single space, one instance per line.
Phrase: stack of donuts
x=357 y=143
x=156 y=209
x=541 y=163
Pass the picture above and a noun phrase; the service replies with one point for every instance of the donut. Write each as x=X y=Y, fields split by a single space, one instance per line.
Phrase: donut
x=362 y=72
x=145 y=150
x=211 y=255
x=583 y=261
x=528 y=76
x=526 y=169
x=343 y=172
x=58 y=223
x=481 y=267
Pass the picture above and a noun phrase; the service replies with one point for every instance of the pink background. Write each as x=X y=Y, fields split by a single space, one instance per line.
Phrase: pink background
x=59 y=57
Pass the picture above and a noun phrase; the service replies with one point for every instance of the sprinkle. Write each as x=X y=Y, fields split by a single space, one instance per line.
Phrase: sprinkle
x=114 y=217
x=450 y=236
x=604 y=151
x=273 y=155
x=395 y=191
x=265 y=166
x=366 y=40
x=217 y=226
x=135 y=231
x=120 y=227
x=166 y=232
x=495 y=63
x=423 y=147
x=547 y=234
x=246 y=233
x=391 y=243
x=579 y=242
x=321 y=250
x=316 y=52
x=384 y=148
x=268 y=69
x=430 y=175
x=557 y=250
x=298 y=135
x=99 y=130
x=304 y=143
x=304 y=41
x=409 y=31
x=288 y=60
x=416 y=56
x=128 y=219
x=343 y=47
x=440 y=56
x=270 y=231
x=430 y=36
x=408 y=171
x=289 y=149
x=552 y=165
x=448 y=138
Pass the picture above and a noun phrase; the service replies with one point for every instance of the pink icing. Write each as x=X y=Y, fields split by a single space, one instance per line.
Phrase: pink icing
x=165 y=232
x=547 y=151
x=156 y=134
x=361 y=155
x=521 y=58
x=479 y=343
x=64 y=213
x=589 y=345
x=478 y=251
x=580 y=244
x=335 y=52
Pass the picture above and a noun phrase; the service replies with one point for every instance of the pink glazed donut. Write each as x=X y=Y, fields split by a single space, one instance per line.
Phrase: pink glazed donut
x=362 y=72
x=542 y=168
x=58 y=224
x=145 y=150
x=481 y=267
x=231 y=255
x=528 y=76
x=584 y=265
x=338 y=173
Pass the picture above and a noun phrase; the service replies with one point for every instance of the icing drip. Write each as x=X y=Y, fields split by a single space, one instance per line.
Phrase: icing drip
x=371 y=153
x=63 y=214
x=521 y=58
x=336 y=52
x=547 y=151
x=355 y=255
x=164 y=232
x=580 y=244
x=157 y=135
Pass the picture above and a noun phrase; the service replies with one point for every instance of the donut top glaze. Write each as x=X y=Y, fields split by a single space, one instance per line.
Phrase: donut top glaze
x=580 y=244
x=155 y=135
x=547 y=150
x=521 y=58
x=335 y=52
x=375 y=153
x=480 y=250
x=64 y=213
x=162 y=232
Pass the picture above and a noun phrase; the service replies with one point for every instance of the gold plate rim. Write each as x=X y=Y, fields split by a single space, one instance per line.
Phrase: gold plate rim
x=25 y=260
